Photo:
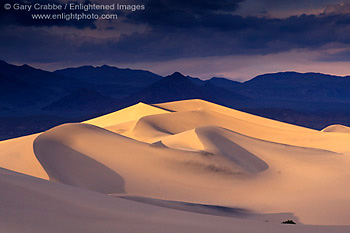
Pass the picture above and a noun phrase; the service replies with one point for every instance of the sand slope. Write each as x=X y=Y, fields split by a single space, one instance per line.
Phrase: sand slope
x=18 y=155
x=337 y=129
x=33 y=205
x=145 y=169
x=195 y=166
x=132 y=113
x=195 y=113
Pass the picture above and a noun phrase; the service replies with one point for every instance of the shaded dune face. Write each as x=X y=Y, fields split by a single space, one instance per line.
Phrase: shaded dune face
x=154 y=127
x=210 y=140
x=191 y=114
x=219 y=144
x=196 y=157
x=64 y=154
x=65 y=165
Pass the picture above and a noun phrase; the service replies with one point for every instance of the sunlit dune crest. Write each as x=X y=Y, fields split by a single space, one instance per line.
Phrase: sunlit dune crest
x=17 y=155
x=337 y=129
x=132 y=113
x=185 y=166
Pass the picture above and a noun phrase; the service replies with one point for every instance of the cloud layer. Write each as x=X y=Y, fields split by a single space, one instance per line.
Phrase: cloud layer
x=183 y=29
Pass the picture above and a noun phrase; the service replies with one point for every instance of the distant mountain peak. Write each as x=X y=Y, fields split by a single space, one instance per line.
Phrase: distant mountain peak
x=108 y=67
x=3 y=62
x=87 y=66
x=29 y=68
x=176 y=75
x=294 y=74
x=176 y=79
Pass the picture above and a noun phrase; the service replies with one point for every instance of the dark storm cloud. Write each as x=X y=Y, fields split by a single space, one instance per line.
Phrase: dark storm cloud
x=339 y=56
x=190 y=28
x=340 y=8
x=181 y=13
x=181 y=29
x=24 y=18
x=227 y=34
x=235 y=36
x=285 y=8
x=193 y=5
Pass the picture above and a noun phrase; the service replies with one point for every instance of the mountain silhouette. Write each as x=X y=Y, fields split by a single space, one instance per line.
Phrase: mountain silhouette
x=111 y=81
x=225 y=83
x=309 y=99
x=178 y=87
x=298 y=86
x=27 y=87
x=82 y=100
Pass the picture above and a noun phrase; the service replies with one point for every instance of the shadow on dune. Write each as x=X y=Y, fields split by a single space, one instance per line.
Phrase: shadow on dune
x=231 y=150
x=216 y=210
x=192 y=207
x=65 y=165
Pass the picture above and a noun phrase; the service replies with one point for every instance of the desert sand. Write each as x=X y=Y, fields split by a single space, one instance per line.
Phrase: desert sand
x=186 y=166
x=337 y=129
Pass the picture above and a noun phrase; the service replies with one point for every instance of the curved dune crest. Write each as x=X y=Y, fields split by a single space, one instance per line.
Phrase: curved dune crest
x=219 y=144
x=190 y=155
x=246 y=150
x=65 y=165
x=197 y=104
x=187 y=140
x=131 y=113
x=94 y=158
x=210 y=140
x=337 y=129
x=154 y=128
x=17 y=155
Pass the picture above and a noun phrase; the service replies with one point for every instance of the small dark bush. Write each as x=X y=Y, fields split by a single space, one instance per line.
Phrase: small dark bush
x=288 y=222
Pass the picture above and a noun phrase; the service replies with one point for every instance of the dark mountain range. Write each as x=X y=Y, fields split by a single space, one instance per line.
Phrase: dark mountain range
x=225 y=83
x=75 y=94
x=112 y=81
x=61 y=96
x=178 y=87
x=26 y=90
x=23 y=86
x=39 y=78
x=297 y=86
x=300 y=91
x=82 y=101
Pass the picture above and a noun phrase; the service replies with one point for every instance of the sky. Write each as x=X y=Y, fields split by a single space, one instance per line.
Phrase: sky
x=236 y=39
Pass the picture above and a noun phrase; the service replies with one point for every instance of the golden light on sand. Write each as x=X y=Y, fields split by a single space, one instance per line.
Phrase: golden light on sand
x=179 y=166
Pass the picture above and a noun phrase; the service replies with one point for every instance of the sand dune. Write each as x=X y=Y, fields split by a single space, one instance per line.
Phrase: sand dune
x=153 y=128
x=147 y=169
x=18 y=155
x=211 y=209
x=132 y=113
x=191 y=164
x=193 y=105
x=337 y=129
x=66 y=165
x=33 y=205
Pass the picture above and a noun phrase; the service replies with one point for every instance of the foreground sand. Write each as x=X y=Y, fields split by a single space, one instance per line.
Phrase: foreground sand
x=187 y=166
